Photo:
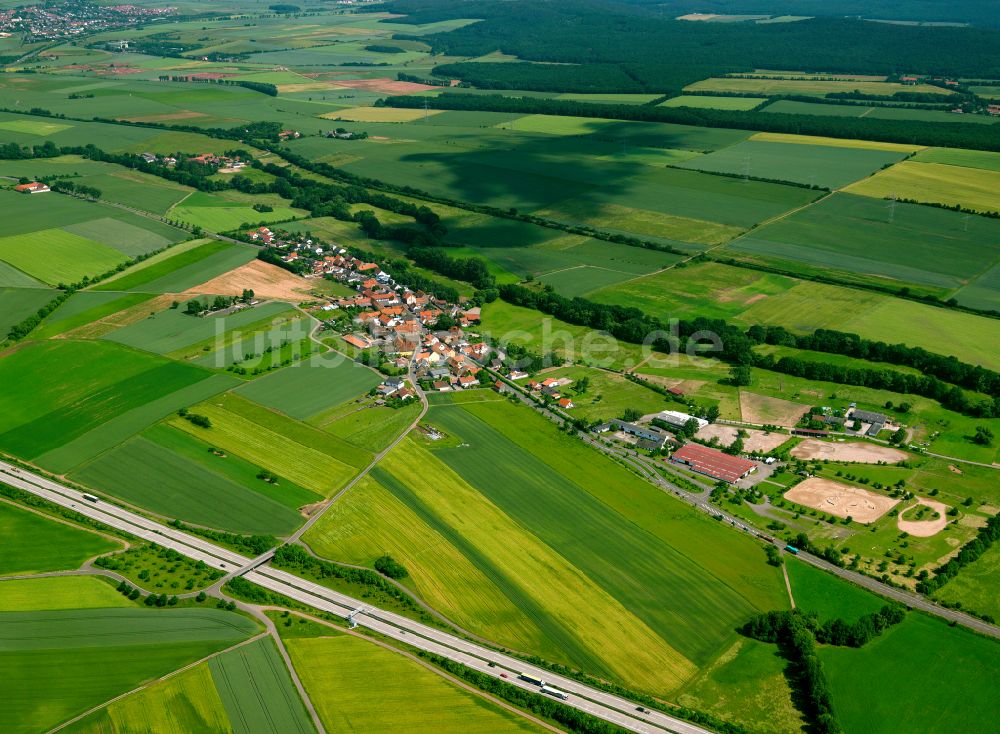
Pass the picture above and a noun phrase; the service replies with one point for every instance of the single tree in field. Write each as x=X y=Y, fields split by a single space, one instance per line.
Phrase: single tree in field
x=739 y=375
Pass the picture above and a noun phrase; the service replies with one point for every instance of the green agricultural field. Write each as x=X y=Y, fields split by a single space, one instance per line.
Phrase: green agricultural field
x=706 y=289
x=980 y=159
x=809 y=87
x=183 y=703
x=215 y=213
x=747 y=685
x=814 y=165
x=975 y=587
x=607 y=396
x=50 y=593
x=581 y=279
x=983 y=292
x=59 y=664
x=11 y=277
x=852 y=143
x=126 y=424
x=128 y=233
x=542 y=334
x=173 y=331
x=139 y=190
x=789 y=107
x=713 y=103
x=56 y=256
x=34 y=543
x=808 y=306
x=63 y=165
x=310 y=458
x=826 y=595
x=619 y=218
x=16 y=304
x=473 y=515
x=368 y=426
x=311 y=386
x=53 y=407
x=935 y=183
x=257 y=691
x=85 y=307
x=898 y=243
x=888 y=685
x=580 y=165
x=185 y=480
x=411 y=697
x=179 y=269
x=33 y=127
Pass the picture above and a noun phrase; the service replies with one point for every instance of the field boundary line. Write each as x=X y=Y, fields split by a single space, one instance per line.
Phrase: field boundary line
x=168 y=676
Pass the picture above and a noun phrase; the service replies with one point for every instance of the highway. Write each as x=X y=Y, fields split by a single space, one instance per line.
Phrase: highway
x=611 y=708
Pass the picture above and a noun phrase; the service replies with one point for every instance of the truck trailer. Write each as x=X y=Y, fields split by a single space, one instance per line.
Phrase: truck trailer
x=555 y=692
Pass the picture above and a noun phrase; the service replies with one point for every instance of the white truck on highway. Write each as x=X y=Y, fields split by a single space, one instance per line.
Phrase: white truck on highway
x=554 y=692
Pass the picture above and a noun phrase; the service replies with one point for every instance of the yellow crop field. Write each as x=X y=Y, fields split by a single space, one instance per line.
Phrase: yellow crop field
x=835 y=142
x=265 y=448
x=813 y=87
x=935 y=183
x=369 y=522
x=183 y=703
x=379 y=114
x=534 y=572
x=411 y=698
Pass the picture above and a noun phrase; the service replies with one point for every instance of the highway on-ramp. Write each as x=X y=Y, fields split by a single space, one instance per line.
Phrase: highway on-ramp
x=614 y=709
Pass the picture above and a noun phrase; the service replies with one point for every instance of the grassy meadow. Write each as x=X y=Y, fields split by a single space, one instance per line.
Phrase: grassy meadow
x=916 y=697
x=35 y=543
x=53 y=593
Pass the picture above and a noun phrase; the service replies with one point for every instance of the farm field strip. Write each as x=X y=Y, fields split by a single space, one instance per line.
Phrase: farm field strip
x=257 y=691
x=185 y=702
x=75 y=659
x=411 y=697
x=935 y=183
x=109 y=381
x=321 y=468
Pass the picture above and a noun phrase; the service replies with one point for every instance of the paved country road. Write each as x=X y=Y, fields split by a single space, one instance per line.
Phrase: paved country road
x=611 y=708
x=642 y=466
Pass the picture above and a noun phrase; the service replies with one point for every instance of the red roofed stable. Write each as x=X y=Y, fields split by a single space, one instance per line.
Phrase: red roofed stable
x=713 y=463
x=31 y=188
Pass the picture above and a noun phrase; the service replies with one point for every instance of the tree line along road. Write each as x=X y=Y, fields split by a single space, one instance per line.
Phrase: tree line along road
x=614 y=709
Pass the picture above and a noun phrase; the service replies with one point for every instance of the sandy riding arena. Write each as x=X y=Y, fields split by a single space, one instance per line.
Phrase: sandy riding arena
x=757 y=442
x=841 y=500
x=264 y=279
x=863 y=453
x=775 y=411
x=924 y=528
